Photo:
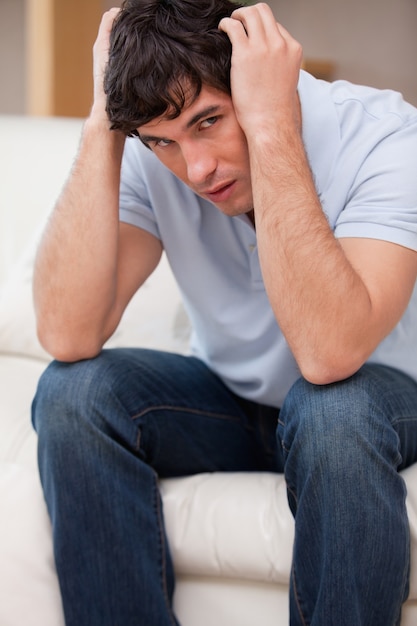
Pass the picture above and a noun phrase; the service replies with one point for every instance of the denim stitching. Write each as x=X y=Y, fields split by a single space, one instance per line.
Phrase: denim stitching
x=164 y=407
x=300 y=613
x=401 y=420
x=292 y=492
x=162 y=545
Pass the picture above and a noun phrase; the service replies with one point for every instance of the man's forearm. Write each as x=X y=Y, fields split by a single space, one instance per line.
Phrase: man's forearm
x=320 y=302
x=76 y=265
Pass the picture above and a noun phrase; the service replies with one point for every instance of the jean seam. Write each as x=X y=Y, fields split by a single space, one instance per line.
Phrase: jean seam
x=401 y=420
x=291 y=491
x=297 y=600
x=167 y=407
x=162 y=544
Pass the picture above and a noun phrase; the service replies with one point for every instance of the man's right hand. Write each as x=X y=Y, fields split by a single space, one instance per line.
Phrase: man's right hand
x=101 y=56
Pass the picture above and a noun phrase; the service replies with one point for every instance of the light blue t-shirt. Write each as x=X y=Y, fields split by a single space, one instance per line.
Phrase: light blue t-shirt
x=362 y=148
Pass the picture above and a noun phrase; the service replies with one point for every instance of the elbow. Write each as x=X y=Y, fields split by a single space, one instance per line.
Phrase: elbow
x=67 y=347
x=69 y=340
x=331 y=369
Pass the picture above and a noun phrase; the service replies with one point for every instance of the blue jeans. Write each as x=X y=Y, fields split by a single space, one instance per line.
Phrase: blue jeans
x=110 y=427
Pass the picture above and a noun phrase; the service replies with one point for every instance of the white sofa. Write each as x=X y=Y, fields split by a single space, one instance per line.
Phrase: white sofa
x=230 y=534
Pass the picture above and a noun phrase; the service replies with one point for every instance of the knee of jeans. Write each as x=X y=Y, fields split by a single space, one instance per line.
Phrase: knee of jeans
x=333 y=423
x=66 y=391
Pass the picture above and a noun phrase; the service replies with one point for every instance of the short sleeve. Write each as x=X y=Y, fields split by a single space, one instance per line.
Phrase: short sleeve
x=382 y=203
x=135 y=206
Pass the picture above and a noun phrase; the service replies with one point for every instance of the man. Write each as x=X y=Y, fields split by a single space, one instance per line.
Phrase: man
x=287 y=208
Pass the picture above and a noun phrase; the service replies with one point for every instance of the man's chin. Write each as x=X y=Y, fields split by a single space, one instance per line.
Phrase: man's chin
x=235 y=208
x=235 y=211
x=229 y=201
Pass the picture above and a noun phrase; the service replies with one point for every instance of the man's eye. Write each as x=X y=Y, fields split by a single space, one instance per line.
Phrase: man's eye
x=209 y=121
x=162 y=143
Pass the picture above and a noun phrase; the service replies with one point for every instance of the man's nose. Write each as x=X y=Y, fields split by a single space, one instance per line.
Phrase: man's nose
x=201 y=163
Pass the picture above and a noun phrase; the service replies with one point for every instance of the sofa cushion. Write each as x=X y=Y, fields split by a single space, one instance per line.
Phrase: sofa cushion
x=35 y=157
x=17 y=315
x=210 y=517
x=19 y=377
x=29 y=588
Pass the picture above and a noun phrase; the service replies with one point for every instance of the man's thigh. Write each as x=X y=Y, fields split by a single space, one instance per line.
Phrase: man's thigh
x=168 y=409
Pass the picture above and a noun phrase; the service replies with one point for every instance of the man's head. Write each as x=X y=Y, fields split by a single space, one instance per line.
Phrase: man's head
x=161 y=54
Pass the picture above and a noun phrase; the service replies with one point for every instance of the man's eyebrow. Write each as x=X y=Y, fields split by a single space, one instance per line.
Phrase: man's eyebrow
x=214 y=108
x=149 y=138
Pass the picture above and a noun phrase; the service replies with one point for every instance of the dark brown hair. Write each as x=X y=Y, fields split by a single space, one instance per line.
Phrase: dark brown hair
x=161 y=53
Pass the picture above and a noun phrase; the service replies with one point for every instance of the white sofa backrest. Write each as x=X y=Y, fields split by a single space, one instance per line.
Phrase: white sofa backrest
x=36 y=155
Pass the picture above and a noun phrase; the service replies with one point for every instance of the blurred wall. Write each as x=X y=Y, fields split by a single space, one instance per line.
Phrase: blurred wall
x=12 y=56
x=108 y=4
x=372 y=42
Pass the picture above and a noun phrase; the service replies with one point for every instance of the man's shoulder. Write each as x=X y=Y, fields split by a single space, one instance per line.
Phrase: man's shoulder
x=363 y=100
x=376 y=103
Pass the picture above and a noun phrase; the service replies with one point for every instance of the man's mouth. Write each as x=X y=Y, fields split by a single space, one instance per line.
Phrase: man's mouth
x=220 y=193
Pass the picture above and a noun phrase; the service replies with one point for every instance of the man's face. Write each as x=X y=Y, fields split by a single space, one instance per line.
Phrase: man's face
x=206 y=149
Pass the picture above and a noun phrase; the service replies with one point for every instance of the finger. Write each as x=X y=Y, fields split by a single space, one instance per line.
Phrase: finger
x=101 y=48
x=258 y=20
x=234 y=29
x=107 y=21
x=111 y=14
